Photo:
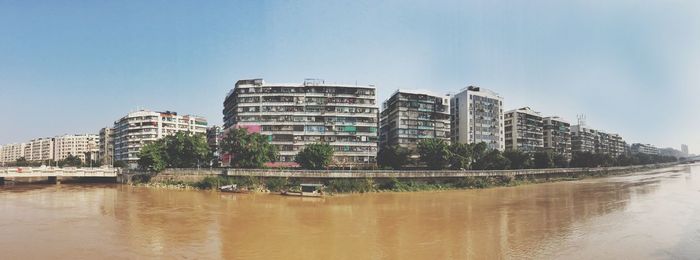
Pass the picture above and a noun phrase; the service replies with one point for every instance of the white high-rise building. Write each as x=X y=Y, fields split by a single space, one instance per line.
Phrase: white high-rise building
x=84 y=146
x=138 y=128
x=477 y=116
x=40 y=149
x=11 y=152
x=523 y=130
x=293 y=115
x=557 y=135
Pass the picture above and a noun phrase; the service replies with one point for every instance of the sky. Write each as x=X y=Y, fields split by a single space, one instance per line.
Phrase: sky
x=631 y=67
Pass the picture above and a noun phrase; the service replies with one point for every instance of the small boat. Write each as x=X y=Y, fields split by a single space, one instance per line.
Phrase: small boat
x=307 y=190
x=233 y=188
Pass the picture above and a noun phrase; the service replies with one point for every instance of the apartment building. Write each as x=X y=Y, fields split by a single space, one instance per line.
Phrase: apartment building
x=523 y=130
x=644 y=149
x=84 y=146
x=293 y=115
x=39 y=149
x=557 y=135
x=11 y=152
x=684 y=149
x=583 y=139
x=410 y=116
x=608 y=143
x=214 y=136
x=106 y=150
x=141 y=127
x=477 y=116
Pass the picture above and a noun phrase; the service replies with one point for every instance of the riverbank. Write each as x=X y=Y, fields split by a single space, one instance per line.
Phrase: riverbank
x=396 y=181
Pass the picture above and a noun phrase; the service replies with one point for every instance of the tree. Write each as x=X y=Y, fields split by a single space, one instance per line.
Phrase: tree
x=248 y=150
x=315 y=156
x=518 y=159
x=71 y=161
x=543 y=159
x=21 y=162
x=394 y=157
x=492 y=160
x=152 y=156
x=184 y=150
x=460 y=156
x=560 y=161
x=478 y=150
x=434 y=153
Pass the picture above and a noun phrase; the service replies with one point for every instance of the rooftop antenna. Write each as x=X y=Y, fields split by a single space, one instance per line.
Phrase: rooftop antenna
x=581 y=119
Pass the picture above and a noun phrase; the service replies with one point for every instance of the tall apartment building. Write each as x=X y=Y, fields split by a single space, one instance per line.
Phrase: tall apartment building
x=411 y=116
x=84 y=146
x=557 y=135
x=611 y=144
x=214 y=136
x=294 y=115
x=477 y=116
x=11 y=152
x=106 y=150
x=39 y=149
x=138 y=128
x=523 y=130
x=583 y=139
x=645 y=149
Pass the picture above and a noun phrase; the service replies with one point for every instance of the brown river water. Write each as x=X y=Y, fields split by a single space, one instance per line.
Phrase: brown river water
x=645 y=215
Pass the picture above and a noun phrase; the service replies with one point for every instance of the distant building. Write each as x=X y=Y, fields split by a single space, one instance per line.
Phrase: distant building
x=684 y=149
x=671 y=152
x=611 y=144
x=644 y=149
x=557 y=135
x=39 y=150
x=523 y=130
x=139 y=128
x=106 y=150
x=11 y=152
x=293 y=115
x=84 y=146
x=214 y=137
x=583 y=139
x=477 y=116
x=411 y=116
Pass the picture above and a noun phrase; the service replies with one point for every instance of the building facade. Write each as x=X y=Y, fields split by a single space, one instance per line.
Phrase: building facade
x=11 y=152
x=139 y=128
x=477 y=116
x=684 y=149
x=106 y=150
x=294 y=115
x=523 y=130
x=214 y=136
x=411 y=116
x=39 y=150
x=583 y=139
x=644 y=149
x=611 y=144
x=557 y=135
x=84 y=146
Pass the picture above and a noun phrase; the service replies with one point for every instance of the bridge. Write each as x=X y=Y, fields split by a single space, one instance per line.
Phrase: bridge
x=54 y=174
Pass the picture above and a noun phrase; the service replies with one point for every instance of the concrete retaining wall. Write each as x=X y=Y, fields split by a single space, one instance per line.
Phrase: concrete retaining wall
x=194 y=175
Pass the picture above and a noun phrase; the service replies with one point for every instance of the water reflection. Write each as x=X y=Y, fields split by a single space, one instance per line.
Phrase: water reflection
x=555 y=220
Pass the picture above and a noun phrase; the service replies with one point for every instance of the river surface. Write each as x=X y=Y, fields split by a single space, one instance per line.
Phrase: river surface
x=645 y=215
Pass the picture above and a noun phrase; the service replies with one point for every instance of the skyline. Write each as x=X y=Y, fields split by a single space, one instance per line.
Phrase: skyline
x=559 y=59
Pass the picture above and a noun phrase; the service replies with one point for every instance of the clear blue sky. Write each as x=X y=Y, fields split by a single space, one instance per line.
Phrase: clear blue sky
x=75 y=66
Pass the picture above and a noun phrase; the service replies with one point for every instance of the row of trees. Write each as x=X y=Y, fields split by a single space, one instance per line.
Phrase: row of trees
x=437 y=154
x=69 y=161
x=247 y=150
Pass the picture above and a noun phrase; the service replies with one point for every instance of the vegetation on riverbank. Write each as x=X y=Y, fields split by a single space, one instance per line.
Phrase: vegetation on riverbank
x=364 y=185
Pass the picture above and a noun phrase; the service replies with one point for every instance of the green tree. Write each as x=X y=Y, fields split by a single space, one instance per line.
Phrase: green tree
x=184 y=150
x=560 y=161
x=21 y=162
x=543 y=159
x=492 y=160
x=152 y=156
x=315 y=156
x=435 y=153
x=248 y=150
x=518 y=159
x=478 y=150
x=460 y=156
x=71 y=161
x=394 y=157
